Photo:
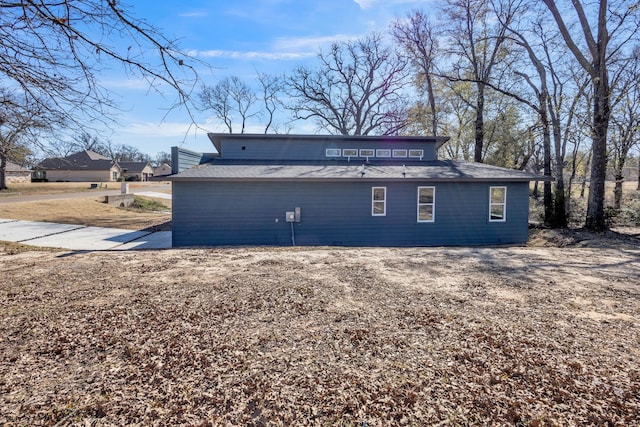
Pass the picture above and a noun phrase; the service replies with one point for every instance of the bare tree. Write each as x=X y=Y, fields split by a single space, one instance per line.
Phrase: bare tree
x=458 y=120
x=356 y=90
x=613 y=30
x=218 y=99
x=231 y=98
x=19 y=122
x=625 y=119
x=418 y=39
x=477 y=44
x=53 y=51
x=162 y=157
x=243 y=98
x=271 y=86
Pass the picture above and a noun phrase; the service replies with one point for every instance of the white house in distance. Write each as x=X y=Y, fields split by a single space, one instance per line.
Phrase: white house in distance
x=16 y=174
x=83 y=166
x=162 y=170
x=136 y=171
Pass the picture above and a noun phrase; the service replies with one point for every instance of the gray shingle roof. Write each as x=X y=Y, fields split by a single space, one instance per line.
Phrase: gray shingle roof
x=133 y=167
x=12 y=167
x=441 y=170
x=83 y=160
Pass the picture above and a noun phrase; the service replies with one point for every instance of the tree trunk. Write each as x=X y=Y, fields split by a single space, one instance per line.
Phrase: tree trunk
x=595 y=220
x=584 y=181
x=547 y=195
x=3 y=169
x=432 y=104
x=477 y=157
x=617 y=191
x=559 y=203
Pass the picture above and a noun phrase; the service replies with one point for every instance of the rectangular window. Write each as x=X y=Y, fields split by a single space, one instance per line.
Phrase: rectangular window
x=333 y=152
x=378 y=201
x=383 y=153
x=365 y=152
x=416 y=154
x=399 y=153
x=497 y=204
x=426 y=204
x=350 y=152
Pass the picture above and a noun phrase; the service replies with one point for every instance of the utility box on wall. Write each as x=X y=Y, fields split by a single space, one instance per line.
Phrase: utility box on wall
x=293 y=216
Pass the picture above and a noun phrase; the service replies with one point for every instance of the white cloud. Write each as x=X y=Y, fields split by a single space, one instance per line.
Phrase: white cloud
x=193 y=14
x=364 y=4
x=310 y=43
x=235 y=54
x=153 y=129
x=284 y=48
x=126 y=83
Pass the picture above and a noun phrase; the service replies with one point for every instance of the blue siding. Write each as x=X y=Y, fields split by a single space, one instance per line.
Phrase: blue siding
x=256 y=149
x=182 y=159
x=339 y=213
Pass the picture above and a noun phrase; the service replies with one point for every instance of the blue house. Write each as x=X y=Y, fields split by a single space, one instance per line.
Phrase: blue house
x=344 y=191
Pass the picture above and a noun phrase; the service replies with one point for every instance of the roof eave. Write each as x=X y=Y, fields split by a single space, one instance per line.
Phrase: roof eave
x=178 y=178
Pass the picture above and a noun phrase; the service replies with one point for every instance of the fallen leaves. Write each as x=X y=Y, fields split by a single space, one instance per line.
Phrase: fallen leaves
x=320 y=337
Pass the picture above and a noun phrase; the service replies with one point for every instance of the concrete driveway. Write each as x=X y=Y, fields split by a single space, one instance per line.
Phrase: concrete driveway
x=79 y=237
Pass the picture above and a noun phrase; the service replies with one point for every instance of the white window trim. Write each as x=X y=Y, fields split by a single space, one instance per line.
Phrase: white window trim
x=433 y=205
x=373 y=201
x=416 y=154
x=504 y=204
x=333 y=152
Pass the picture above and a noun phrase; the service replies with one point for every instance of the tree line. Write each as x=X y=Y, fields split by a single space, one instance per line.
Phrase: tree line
x=546 y=86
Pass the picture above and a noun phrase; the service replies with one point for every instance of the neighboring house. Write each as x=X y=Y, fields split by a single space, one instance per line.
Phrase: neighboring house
x=345 y=191
x=16 y=174
x=136 y=171
x=162 y=170
x=86 y=165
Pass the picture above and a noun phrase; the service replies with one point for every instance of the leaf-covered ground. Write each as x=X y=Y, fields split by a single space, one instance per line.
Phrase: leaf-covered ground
x=321 y=336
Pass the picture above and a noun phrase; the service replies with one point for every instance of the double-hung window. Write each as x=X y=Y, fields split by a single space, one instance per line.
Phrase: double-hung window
x=426 y=204
x=378 y=201
x=497 y=204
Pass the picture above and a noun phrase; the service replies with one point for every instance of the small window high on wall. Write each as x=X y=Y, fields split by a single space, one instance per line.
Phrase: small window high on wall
x=426 y=204
x=497 y=204
x=378 y=201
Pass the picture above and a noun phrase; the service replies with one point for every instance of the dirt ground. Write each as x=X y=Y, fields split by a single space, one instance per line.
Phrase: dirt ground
x=322 y=336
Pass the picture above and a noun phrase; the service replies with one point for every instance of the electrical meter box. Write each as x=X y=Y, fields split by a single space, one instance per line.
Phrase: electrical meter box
x=290 y=216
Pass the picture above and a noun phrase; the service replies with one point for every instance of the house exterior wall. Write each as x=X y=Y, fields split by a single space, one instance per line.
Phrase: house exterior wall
x=82 y=175
x=314 y=150
x=182 y=159
x=162 y=170
x=17 y=177
x=339 y=213
x=144 y=175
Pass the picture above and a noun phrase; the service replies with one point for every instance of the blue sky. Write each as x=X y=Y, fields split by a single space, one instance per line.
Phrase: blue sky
x=237 y=38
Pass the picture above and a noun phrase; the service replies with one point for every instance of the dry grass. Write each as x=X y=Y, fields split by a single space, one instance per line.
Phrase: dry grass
x=69 y=187
x=321 y=336
x=89 y=211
